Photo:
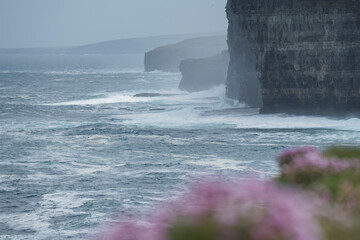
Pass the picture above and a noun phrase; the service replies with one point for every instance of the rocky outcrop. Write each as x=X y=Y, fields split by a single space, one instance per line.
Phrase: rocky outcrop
x=168 y=58
x=307 y=53
x=205 y=73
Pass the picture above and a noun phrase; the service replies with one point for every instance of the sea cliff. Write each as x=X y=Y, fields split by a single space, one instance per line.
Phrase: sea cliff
x=307 y=54
x=205 y=73
x=167 y=58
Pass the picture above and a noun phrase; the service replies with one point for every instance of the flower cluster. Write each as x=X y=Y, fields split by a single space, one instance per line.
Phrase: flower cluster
x=333 y=175
x=250 y=211
x=278 y=209
x=301 y=159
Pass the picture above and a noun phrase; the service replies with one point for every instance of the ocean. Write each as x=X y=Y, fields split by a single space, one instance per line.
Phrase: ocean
x=86 y=140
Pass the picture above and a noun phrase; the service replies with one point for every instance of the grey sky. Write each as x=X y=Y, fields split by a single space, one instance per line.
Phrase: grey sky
x=43 y=23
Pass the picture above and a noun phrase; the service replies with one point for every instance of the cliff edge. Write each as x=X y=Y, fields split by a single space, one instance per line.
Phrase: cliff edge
x=167 y=58
x=307 y=53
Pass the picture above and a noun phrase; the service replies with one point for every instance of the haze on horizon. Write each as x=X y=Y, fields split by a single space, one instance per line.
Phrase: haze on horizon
x=63 y=23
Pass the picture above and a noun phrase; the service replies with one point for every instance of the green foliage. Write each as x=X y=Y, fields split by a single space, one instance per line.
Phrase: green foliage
x=190 y=230
x=335 y=230
x=305 y=178
x=343 y=152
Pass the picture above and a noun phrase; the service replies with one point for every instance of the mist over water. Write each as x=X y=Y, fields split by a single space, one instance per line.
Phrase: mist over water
x=78 y=148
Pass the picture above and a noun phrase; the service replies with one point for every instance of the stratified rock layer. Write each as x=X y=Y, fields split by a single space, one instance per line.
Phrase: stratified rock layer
x=307 y=52
x=205 y=73
x=168 y=58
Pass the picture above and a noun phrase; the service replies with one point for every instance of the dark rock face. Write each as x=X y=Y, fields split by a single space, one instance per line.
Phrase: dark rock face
x=242 y=79
x=307 y=52
x=168 y=58
x=203 y=74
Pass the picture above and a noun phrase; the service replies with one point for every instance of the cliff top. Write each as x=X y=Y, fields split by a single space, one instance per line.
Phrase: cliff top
x=211 y=42
x=280 y=5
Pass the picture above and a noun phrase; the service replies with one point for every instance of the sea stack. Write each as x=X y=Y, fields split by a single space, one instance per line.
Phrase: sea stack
x=306 y=52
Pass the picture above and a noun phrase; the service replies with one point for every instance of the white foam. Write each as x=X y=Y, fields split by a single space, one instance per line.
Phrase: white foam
x=77 y=72
x=189 y=116
x=163 y=138
x=41 y=177
x=25 y=221
x=52 y=205
x=4 y=178
x=220 y=163
x=93 y=71
x=187 y=110
x=63 y=201
x=14 y=71
x=58 y=204
x=38 y=222
x=169 y=96
x=86 y=169
x=185 y=117
x=106 y=100
x=296 y=122
x=40 y=125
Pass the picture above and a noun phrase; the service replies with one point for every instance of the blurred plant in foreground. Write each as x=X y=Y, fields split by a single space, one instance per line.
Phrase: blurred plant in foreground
x=315 y=197
x=212 y=211
x=333 y=174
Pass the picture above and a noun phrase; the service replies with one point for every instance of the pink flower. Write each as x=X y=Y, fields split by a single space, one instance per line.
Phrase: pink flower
x=267 y=211
x=294 y=152
x=307 y=157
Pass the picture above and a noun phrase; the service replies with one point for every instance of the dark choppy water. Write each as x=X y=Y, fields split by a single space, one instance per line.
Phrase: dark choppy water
x=77 y=148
